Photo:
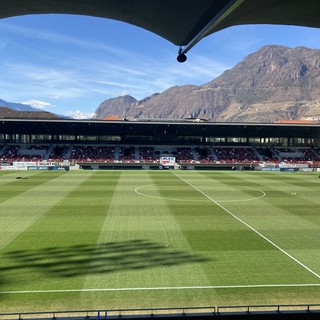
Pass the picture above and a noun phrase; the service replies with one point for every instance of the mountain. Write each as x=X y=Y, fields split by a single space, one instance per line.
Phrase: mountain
x=12 y=110
x=116 y=106
x=275 y=83
x=17 y=106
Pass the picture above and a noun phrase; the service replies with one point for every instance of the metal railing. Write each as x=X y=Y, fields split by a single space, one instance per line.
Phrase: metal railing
x=284 y=308
x=158 y=312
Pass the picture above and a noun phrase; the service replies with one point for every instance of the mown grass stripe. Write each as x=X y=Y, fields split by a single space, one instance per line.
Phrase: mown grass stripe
x=21 y=211
x=10 y=186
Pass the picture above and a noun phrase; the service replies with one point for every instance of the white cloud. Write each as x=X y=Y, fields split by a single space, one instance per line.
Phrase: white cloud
x=43 y=105
x=77 y=114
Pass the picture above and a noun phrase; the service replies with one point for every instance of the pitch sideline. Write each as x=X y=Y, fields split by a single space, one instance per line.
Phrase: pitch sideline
x=162 y=288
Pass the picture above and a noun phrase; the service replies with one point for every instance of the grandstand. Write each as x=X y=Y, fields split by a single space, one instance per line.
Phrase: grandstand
x=95 y=144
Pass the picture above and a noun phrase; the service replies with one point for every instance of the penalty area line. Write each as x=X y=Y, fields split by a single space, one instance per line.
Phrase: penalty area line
x=164 y=288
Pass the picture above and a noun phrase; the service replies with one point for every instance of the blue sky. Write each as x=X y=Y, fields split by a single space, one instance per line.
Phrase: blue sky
x=69 y=64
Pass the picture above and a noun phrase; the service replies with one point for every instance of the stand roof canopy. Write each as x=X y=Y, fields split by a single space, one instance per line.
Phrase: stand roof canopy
x=182 y=22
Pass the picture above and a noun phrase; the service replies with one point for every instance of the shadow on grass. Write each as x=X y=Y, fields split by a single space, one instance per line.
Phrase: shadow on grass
x=101 y=258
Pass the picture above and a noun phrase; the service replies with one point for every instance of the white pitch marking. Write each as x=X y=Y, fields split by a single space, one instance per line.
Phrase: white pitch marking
x=165 y=288
x=137 y=190
x=251 y=228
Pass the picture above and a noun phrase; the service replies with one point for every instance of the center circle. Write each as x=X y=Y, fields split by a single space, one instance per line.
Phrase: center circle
x=218 y=195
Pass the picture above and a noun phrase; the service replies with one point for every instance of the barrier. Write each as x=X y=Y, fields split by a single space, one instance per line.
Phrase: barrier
x=165 y=312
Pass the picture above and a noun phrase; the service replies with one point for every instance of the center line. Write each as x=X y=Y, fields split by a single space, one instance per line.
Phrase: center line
x=251 y=228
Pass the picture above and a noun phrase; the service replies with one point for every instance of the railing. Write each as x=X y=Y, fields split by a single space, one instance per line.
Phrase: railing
x=296 y=308
x=162 y=312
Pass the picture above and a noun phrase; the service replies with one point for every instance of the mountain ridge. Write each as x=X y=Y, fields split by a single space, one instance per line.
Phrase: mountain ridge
x=15 y=110
x=274 y=83
x=17 y=106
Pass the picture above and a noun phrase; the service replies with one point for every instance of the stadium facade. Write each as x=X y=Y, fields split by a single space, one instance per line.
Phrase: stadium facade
x=195 y=144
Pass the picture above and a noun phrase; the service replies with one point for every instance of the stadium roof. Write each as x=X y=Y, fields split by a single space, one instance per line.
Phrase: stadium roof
x=157 y=128
x=182 y=22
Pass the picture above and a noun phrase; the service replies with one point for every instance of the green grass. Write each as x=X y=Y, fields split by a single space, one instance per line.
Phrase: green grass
x=187 y=238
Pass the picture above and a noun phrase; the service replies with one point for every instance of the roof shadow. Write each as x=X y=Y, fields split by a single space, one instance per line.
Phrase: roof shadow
x=110 y=257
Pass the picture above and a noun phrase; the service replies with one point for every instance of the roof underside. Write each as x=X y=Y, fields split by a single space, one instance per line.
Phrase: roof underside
x=178 y=21
x=127 y=128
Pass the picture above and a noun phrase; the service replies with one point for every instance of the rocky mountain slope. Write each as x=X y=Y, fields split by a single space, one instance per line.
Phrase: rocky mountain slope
x=272 y=84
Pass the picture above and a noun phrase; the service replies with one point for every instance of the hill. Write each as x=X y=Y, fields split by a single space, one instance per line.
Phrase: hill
x=7 y=113
x=17 y=106
x=13 y=110
x=272 y=84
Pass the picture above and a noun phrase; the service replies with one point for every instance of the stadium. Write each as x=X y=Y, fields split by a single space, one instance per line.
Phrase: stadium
x=160 y=219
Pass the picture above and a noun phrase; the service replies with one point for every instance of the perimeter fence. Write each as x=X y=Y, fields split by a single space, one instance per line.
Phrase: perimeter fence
x=163 y=312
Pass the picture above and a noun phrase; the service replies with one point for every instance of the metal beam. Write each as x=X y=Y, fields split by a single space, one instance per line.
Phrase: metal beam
x=220 y=16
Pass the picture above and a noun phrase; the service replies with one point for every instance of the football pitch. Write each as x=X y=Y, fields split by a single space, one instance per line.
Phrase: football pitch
x=151 y=239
